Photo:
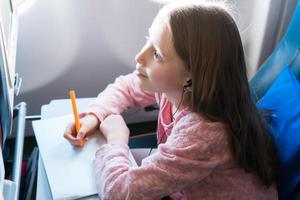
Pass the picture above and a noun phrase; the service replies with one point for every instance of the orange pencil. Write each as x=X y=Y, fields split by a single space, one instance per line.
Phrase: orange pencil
x=75 y=112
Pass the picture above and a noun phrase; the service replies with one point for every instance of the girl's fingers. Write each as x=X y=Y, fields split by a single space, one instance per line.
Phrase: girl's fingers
x=73 y=140
x=71 y=135
x=70 y=129
x=85 y=131
x=82 y=132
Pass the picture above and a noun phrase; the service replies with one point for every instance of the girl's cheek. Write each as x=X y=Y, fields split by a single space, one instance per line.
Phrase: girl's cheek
x=160 y=81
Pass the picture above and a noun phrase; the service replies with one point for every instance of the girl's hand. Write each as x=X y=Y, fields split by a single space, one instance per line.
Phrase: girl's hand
x=114 y=128
x=89 y=123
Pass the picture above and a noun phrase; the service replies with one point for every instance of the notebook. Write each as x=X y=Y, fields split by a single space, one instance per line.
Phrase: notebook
x=69 y=169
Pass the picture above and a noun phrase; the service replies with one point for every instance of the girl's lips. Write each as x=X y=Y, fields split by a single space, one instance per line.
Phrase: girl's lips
x=140 y=74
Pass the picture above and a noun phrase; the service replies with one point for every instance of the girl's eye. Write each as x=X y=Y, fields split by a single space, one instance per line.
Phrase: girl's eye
x=157 y=56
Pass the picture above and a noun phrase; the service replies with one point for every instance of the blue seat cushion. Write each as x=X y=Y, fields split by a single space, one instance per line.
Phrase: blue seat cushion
x=283 y=100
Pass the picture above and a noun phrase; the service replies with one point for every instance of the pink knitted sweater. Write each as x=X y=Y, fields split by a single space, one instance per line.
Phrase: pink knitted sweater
x=193 y=160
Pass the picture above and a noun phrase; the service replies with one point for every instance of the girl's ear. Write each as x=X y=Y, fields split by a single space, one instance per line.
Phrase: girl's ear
x=187 y=80
x=188 y=83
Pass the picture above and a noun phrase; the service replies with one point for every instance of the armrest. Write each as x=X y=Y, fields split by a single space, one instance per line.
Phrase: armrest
x=18 y=154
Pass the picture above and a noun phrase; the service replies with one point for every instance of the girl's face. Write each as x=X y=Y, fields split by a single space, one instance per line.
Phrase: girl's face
x=159 y=68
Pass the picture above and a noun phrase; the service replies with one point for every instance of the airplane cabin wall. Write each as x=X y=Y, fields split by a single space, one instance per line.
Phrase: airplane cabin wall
x=84 y=45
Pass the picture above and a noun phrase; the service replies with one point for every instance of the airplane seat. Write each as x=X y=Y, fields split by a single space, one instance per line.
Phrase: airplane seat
x=285 y=57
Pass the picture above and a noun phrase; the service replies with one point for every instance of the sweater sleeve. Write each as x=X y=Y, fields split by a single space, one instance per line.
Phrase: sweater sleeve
x=120 y=95
x=191 y=153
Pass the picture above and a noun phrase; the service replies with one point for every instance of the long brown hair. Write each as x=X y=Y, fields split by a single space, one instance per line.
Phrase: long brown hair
x=207 y=39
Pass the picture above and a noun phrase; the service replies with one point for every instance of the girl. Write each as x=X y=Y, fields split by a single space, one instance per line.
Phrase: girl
x=213 y=144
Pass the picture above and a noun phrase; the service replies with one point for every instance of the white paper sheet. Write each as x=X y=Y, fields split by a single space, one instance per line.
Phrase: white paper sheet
x=70 y=170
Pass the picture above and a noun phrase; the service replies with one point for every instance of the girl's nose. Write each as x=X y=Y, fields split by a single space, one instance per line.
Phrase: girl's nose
x=140 y=57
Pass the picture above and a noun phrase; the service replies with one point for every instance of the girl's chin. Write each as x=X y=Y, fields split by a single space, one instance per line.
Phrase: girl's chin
x=142 y=76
